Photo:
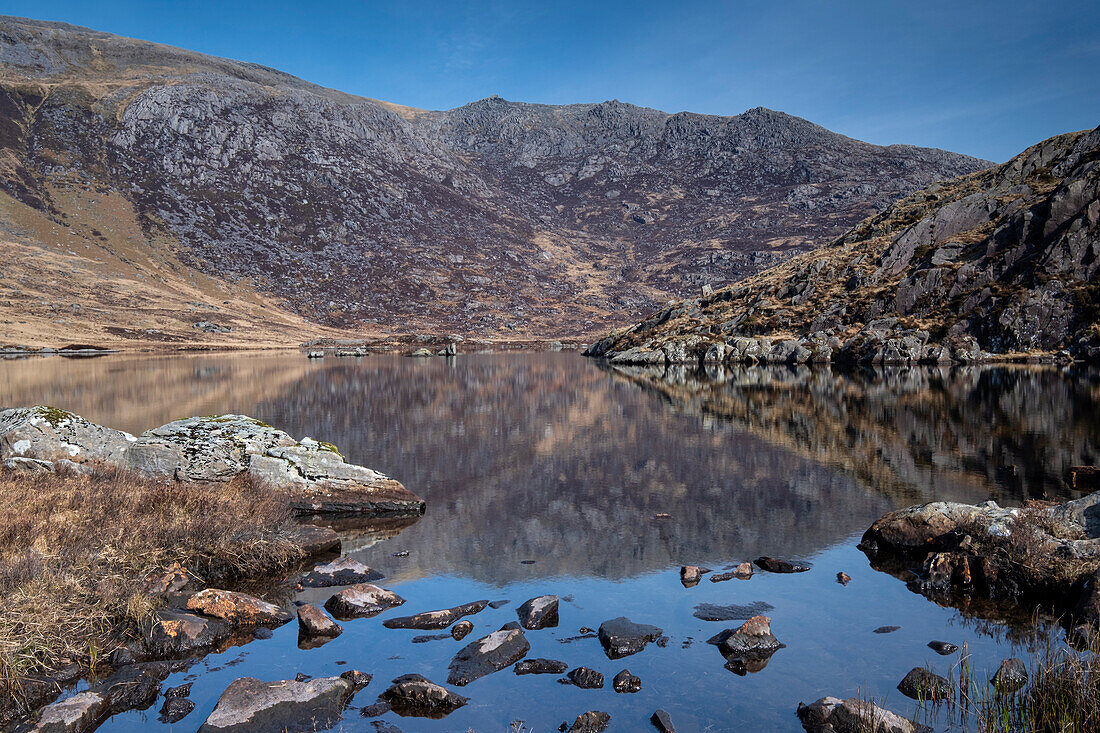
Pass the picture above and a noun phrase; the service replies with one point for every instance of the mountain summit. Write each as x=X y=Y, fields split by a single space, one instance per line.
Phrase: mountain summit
x=495 y=217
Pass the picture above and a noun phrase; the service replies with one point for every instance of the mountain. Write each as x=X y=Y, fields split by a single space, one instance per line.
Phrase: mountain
x=998 y=263
x=493 y=218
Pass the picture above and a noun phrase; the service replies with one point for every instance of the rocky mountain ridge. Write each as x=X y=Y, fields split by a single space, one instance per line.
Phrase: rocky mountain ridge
x=997 y=264
x=495 y=217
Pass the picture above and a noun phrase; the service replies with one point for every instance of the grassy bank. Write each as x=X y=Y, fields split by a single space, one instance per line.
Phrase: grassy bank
x=74 y=550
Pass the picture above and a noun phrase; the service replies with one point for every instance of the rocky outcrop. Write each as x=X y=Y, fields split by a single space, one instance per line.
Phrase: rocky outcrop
x=249 y=704
x=990 y=265
x=488 y=654
x=313 y=475
x=952 y=552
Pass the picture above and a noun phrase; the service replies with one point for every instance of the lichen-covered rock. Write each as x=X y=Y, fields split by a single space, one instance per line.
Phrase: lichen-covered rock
x=74 y=714
x=833 y=715
x=435 y=619
x=341 y=571
x=361 y=600
x=249 y=704
x=48 y=434
x=539 y=613
x=174 y=634
x=236 y=608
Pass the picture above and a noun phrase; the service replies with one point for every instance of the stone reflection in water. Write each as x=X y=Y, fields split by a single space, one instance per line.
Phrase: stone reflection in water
x=549 y=458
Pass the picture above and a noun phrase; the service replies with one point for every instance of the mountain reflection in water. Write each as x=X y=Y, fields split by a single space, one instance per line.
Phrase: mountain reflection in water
x=550 y=457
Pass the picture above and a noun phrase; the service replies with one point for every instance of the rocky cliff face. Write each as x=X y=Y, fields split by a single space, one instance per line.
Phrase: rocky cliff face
x=492 y=217
x=1000 y=262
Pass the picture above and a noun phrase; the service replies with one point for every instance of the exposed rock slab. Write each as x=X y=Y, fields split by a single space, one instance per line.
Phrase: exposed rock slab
x=74 y=714
x=833 y=715
x=341 y=571
x=236 y=608
x=431 y=620
x=488 y=654
x=174 y=633
x=251 y=705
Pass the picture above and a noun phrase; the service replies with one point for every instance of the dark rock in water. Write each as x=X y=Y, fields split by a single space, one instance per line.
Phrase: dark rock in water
x=773 y=565
x=414 y=696
x=262 y=632
x=488 y=654
x=175 y=709
x=571 y=639
x=236 y=608
x=662 y=641
x=358 y=679
x=626 y=682
x=430 y=620
x=358 y=601
x=752 y=637
x=853 y=716
x=461 y=630
x=843 y=578
x=424 y=638
x=942 y=647
x=302 y=677
x=373 y=711
x=134 y=687
x=713 y=612
x=122 y=656
x=585 y=630
x=923 y=684
x=498 y=604
x=662 y=721
x=585 y=678
x=342 y=571
x=690 y=575
x=511 y=626
x=621 y=637
x=381 y=726
x=593 y=721
x=741 y=572
x=249 y=704
x=174 y=633
x=1011 y=676
x=312 y=621
x=400 y=553
x=886 y=629
x=179 y=690
x=541 y=666
x=527 y=562
x=539 y=613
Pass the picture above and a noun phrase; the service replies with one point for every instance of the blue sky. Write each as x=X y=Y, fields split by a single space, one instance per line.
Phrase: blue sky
x=978 y=77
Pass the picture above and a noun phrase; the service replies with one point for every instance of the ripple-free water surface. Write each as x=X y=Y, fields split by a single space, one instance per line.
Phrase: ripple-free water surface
x=553 y=459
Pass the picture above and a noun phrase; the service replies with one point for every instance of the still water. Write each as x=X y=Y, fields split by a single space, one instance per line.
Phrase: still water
x=551 y=458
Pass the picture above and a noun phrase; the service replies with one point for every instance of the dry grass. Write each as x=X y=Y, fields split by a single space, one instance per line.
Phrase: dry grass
x=74 y=550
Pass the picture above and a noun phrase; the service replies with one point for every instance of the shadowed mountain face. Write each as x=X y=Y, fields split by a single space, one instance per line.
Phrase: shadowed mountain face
x=549 y=458
x=493 y=217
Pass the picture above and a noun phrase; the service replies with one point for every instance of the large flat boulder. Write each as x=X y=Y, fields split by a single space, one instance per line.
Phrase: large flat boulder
x=236 y=608
x=312 y=474
x=250 y=705
x=488 y=654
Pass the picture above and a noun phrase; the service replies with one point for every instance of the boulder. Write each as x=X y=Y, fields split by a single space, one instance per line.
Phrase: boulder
x=690 y=575
x=626 y=682
x=733 y=612
x=943 y=648
x=741 y=572
x=249 y=704
x=621 y=637
x=175 y=634
x=1010 y=676
x=773 y=565
x=134 y=687
x=924 y=684
x=539 y=613
x=360 y=601
x=175 y=709
x=585 y=678
x=48 y=434
x=488 y=654
x=594 y=721
x=421 y=353
x=461 y=630
x=235 y=608
x=312 y=621
x=414 y=696
x=754 y=638
x=833 y=715
x=429 y=620
x=662 y=721
x=341 y=571
x=541 y=666
x=73 y=714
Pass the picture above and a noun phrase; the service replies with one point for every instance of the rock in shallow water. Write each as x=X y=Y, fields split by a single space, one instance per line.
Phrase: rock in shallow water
x=250 y=705
x=621 y=637
x=662 y=721
x=413 y=695
x=236 y=608
x=1010 y=676
x=924 y=684
x=773 y=565
x=585 y=678
x=943 y=648
x=174 y=633
x=541 y=666
x=312 y=621
x=853 y=716
x=461 y=630
x=594 y=721
x=175 y=709
x=539 y=613
x=488 y=654
x=432 y=620
x=625 y=682
x=360 y=601
x=71 y=715
x=342 y=571
x=741 y=572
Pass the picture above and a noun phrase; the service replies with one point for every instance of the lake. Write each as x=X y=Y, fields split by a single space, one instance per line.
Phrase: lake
x=545 y=473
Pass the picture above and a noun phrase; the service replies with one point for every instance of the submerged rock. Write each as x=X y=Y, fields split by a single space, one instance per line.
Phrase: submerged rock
x=741 y=572
x=342 y=571
x=174 y=633
x=833 y=715
x=461 y=630
x=488 y=654
x=626 y=682
x=313 y=475
x=585 y=678
x=249 y=704
x=539 y=613
x=430 y=620
x=715 y=612
x=412 y=695
x=943 y=648
x=240 y=609
x=594 y=721
x=312 y=621
x=924 y=684
x=773 y=565
x=621 y=637
x=541 y=666
x=175 y=709
x=360 y=601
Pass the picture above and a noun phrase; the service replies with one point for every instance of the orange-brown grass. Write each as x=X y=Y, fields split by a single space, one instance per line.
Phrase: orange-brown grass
x=74 y=550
